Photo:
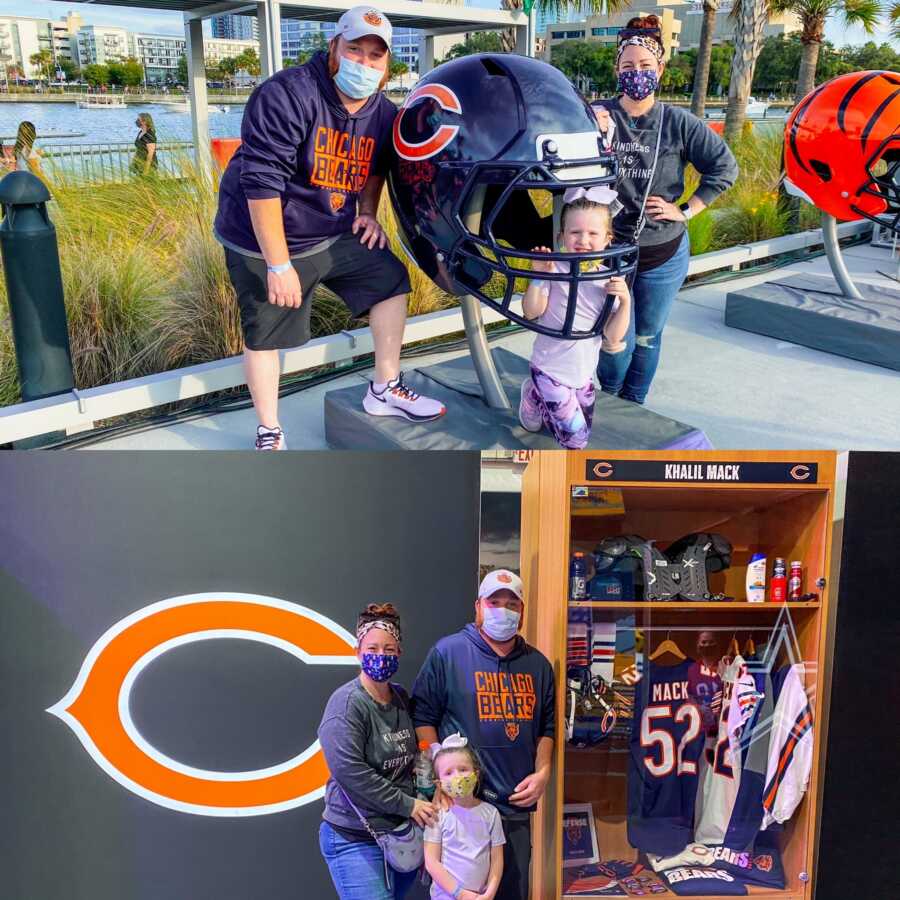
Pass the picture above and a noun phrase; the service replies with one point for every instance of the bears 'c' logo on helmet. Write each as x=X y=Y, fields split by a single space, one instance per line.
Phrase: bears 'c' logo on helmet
x=97 y=706
x=448 y=101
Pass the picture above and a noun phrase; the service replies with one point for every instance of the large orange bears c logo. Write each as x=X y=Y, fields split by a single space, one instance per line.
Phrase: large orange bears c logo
x=97 y=707
x=447 y=100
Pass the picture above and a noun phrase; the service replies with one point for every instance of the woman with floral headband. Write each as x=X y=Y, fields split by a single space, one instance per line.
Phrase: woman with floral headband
x=369 y=742
x=654 y=142
x=559 y=393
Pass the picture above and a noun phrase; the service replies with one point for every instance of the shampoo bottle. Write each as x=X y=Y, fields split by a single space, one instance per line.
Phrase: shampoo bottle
x=756 y=579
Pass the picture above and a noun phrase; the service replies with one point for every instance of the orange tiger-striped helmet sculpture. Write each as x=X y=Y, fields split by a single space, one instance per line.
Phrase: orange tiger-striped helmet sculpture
x=842 y=147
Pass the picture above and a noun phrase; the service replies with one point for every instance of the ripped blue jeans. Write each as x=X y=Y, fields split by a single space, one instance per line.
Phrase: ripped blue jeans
x=629 y=374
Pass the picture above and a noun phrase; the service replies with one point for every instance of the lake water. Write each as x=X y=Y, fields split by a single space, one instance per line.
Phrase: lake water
x=109 y=125
x=117 y=125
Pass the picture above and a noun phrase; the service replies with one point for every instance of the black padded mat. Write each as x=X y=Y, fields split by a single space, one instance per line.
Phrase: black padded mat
x=809 y=310
x=471 y=425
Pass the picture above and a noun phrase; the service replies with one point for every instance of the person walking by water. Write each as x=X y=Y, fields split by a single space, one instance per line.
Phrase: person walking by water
x=27 y=157
x=145 y=158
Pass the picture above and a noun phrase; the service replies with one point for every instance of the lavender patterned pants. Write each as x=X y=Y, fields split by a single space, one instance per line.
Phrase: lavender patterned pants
x=567 y=412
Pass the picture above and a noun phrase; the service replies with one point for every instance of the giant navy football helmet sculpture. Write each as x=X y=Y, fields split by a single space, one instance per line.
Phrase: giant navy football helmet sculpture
x=474 y=141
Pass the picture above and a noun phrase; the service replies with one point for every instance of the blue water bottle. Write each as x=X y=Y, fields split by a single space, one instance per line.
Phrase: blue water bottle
x=578 y=577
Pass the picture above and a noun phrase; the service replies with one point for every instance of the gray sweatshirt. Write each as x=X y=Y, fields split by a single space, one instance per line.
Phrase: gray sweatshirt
x=370 y=749
x=685 y=139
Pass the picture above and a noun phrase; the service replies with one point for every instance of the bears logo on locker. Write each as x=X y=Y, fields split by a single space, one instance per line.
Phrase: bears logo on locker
x=842 y=147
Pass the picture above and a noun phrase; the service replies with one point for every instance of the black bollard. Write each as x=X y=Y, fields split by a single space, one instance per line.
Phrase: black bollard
x=34 y=288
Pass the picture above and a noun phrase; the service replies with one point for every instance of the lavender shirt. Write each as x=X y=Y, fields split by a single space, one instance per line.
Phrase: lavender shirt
x=571 y=363
x=466 y=837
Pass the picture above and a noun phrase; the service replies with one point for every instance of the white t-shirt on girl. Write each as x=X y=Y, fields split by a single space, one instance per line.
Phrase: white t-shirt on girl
x=571 y=363
x=466 y=837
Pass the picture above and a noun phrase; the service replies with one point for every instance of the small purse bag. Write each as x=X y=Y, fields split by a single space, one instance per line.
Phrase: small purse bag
x=403 y=848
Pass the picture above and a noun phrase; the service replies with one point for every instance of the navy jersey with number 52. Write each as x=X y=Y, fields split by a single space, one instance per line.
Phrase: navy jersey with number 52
x=667 y=738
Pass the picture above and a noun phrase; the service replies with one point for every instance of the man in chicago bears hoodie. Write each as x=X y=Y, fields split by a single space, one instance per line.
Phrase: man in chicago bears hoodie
x=487 y=684
x=297 y=206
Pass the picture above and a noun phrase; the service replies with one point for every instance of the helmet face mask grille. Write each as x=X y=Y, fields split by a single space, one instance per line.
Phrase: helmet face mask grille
x=489 y=258
x=885 y=185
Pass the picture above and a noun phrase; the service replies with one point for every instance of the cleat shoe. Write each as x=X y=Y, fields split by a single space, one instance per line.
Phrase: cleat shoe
x=399 y=400
x=530 y=415
x=270 y=438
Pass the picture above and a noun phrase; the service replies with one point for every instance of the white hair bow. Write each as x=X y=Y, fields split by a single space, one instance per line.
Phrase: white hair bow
x=600 y=193
x=451 y=742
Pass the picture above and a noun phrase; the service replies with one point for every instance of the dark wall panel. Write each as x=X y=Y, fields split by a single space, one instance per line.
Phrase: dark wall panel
x=87 y=539
x=857 y=852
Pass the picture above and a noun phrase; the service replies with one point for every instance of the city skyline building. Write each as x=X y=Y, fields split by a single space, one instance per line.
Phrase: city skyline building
x=232 y=27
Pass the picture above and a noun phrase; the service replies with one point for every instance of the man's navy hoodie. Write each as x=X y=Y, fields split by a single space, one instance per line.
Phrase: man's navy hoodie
x=502 y=704
x=299 y=143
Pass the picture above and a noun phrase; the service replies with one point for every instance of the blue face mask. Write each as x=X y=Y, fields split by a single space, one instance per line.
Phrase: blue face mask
x=380 y=666
x=357 y=81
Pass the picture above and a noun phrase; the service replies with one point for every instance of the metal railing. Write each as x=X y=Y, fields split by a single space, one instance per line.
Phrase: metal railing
x=111 y=162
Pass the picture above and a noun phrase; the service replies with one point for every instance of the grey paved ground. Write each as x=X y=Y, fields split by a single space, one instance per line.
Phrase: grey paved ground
x=743 y=390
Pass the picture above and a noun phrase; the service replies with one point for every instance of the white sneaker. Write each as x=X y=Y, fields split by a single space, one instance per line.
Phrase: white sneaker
x=270 y=438
x=399 y=400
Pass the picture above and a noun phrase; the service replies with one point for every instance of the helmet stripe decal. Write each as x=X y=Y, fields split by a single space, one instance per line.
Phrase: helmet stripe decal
x=842 y=108
x=798 y=115
x=442 y=137
x=877 y=115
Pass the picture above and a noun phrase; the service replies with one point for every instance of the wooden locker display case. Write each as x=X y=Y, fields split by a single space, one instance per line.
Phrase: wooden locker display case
x=776 y=504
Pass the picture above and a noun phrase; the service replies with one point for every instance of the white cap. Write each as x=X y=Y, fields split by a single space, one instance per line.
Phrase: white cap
x=500 y=580
x=364 y=20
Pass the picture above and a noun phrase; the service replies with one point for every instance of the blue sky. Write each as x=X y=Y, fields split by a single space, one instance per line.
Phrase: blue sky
x=171 y=23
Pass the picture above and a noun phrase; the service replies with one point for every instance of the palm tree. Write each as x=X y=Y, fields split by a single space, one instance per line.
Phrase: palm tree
x=750 y=17
x=42 y=61
x=813 y=14
x=704 y=57
x=588 y=7
x=894 y=16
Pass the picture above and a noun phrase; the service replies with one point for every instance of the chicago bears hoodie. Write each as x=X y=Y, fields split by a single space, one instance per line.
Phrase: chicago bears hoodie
x=299 y=143
x=502 y=704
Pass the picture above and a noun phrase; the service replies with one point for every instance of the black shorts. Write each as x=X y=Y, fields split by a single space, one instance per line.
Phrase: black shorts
x=359 y=276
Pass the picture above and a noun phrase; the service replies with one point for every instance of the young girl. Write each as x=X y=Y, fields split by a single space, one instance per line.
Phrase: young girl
x=560 y=392
x=464 y=850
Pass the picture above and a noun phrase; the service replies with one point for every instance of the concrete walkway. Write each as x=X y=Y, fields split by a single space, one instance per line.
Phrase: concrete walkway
x=745 y=391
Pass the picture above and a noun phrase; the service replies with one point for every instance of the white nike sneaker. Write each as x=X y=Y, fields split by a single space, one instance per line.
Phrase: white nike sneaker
x=399 y=400
x=270 y=438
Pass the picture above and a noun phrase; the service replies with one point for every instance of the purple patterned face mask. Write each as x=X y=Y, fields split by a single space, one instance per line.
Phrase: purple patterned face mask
x=637 y=83
x=380 y=666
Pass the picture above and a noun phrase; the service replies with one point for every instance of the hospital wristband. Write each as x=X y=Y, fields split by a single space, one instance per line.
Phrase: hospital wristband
x=281 y=267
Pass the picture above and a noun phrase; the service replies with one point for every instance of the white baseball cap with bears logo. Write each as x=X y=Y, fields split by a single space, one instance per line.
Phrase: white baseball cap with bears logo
x=500 y=580
x=361 y=21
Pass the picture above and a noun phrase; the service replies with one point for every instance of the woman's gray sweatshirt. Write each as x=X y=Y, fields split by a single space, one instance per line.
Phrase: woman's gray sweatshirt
x=370 y=749
x=685 y=139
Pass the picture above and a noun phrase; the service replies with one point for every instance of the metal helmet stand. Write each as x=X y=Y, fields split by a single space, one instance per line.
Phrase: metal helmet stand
x=836 y=258
x=479 y=350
